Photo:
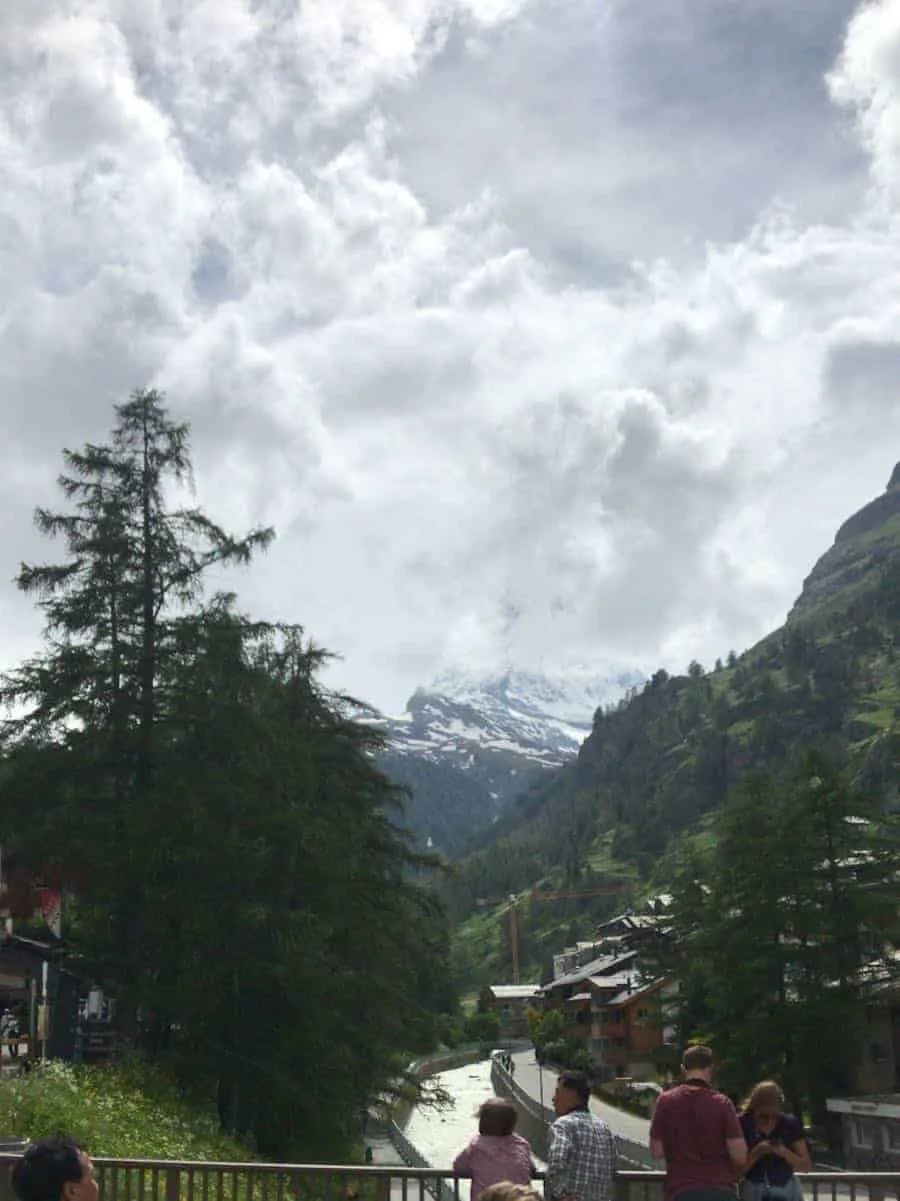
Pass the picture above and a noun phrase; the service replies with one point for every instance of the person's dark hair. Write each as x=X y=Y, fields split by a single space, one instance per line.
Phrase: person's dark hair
x=497 y=1116
x=578 y=1083
x=46 y=1167
x=697 y=1059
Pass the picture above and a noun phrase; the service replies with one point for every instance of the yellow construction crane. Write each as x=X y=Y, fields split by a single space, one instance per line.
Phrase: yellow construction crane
x=514 y=900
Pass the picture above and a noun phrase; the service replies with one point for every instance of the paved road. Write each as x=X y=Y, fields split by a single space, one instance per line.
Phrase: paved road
x=626 y=1125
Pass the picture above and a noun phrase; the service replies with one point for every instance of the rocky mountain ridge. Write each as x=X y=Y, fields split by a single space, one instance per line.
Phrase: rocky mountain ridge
x=867 y=539
x=466 y=746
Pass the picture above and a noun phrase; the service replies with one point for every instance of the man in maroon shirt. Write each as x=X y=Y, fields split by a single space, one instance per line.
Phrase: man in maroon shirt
x=696 y=1130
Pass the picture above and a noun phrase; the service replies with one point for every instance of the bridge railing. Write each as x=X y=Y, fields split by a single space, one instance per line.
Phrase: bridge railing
x=170 y=1180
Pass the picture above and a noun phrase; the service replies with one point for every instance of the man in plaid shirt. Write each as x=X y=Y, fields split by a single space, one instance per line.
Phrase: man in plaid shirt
x=581 y=1163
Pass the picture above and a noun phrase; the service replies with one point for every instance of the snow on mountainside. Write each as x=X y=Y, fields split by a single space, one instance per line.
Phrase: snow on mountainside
x=467 y=746
x=542 y=720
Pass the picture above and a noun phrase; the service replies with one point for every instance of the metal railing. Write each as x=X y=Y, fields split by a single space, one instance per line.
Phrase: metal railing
x=816 y=1186
x=169 y=1180
x=438 y=1188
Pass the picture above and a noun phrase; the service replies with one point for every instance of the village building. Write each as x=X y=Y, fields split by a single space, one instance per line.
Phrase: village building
x=615 y=1004
x=869 y=1131
x=511 y=1002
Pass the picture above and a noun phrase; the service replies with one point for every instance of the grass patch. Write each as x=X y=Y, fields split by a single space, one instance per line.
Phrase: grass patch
x=130 y=1110
x=126 y=1110
x=601 y=860
x=881 y=719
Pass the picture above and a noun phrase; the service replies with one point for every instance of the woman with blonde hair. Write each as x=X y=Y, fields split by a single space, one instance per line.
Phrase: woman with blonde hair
x=776 y=1144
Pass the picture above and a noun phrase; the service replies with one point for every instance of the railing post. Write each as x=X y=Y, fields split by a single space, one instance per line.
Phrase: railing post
x=173 y=1184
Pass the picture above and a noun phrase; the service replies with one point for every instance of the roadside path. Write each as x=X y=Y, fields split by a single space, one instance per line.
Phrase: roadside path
x=531 y=1077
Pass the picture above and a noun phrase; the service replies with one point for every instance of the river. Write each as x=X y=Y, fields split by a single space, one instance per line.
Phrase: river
x=439 y=1136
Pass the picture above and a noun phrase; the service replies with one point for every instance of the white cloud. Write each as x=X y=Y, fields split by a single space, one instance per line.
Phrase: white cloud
x=386 y=257
x=867 y=79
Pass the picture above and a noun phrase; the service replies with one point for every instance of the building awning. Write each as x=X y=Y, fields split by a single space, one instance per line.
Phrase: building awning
x=514 y=992
x=580 y=996
x=875 y=1106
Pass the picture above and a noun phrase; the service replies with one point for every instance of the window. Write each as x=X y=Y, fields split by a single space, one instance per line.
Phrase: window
x=866 y=1134
x=892 y=1130
x=878 y=1053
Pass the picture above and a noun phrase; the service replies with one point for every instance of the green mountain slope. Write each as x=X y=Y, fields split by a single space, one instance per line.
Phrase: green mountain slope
x=659 y=761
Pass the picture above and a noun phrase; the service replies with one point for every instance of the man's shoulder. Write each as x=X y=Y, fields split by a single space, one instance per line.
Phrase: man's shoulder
x=599 y=1123
x=581 y=1117
x=690 y=1094
x=572 y=1118
x=716 y=1100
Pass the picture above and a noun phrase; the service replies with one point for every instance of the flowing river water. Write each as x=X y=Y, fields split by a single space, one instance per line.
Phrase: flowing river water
x=437 y=1135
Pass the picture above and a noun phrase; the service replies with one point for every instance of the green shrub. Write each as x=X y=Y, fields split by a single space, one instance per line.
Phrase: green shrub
x=127 y=1110
x=640 y=1103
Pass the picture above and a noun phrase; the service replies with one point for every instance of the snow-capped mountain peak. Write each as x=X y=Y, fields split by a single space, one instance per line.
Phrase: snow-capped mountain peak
x=543 y=719
x=470 y=744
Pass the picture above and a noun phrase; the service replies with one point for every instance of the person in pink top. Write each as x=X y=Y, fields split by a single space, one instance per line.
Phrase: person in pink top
x=496 y=1153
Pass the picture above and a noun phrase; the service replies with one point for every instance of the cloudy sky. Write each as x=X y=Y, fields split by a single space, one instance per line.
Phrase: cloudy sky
x=545 y=331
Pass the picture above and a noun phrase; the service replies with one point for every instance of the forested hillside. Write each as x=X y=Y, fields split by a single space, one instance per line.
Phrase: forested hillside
x=670 y=752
